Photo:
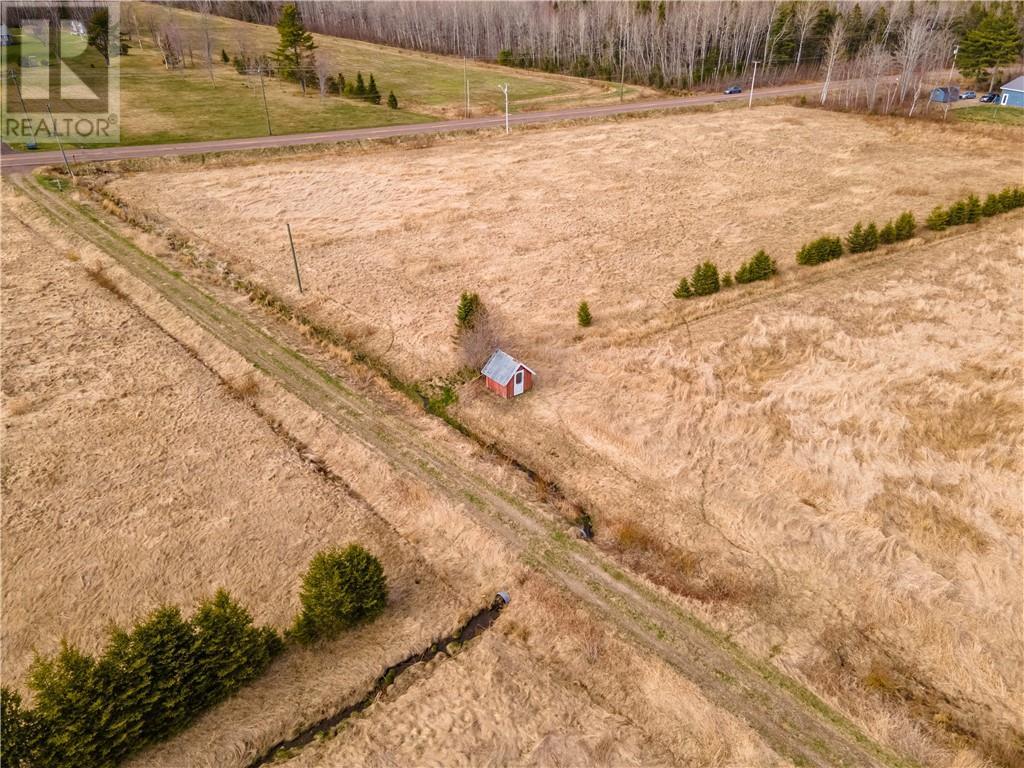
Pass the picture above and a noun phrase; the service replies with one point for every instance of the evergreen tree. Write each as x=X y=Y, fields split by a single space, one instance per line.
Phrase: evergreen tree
x=855 y=240
x=938 y=219
x=64 y=699
x=583 y=315
x=16 y=730
x=887 y=234
x=372 y=94
x=342 y=85
x=224 y=56
x=819 y=251
x=957 y=213
x=98 y=33
x=683 y=290
x=762 y=266
x=294 y=55
x=905 y=226
x=727 y=280
x=465 y=314
x=993 y=206
x=341 y=588
x=705 y=279
x=360 y=89
x=996 y=41
x=392 y=100
x=332 y=85
x=972 y=209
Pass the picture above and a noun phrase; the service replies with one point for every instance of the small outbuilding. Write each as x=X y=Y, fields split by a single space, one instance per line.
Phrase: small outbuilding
x=506 y=376
x=946 y=95
x=5 y=36
x=1012 y=94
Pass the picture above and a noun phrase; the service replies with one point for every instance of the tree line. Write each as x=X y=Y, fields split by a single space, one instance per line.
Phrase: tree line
x=151 y=681
x=680 y=45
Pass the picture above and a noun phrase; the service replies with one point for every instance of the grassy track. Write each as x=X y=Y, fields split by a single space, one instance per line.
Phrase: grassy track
x=790 y=718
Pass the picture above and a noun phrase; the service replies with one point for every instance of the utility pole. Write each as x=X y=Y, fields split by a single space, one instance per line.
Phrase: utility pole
x=31 y=143
x=295 y=259
x=266 y=109
x=504 y=89
x=465 y=78
x=60 y=144
x=753 y=80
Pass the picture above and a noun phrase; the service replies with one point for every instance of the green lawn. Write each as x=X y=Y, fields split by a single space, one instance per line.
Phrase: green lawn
x=160 y=105
x=991 y=113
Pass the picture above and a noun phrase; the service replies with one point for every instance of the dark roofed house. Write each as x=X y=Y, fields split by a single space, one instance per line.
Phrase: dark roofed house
x=506 y=376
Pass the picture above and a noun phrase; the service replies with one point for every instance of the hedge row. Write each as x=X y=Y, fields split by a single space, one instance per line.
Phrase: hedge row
x=152 y=681
x=706 y=280
x=970 y=209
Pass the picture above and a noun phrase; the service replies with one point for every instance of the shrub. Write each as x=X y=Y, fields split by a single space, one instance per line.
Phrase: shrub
x=341 y=588
x=727 y=280
x=333 y=87
x=683 y=290
x=468 y=309
x=821 y=250
x=993 y=205
x=705 y=279
x=905 y=226
x=240 y=65
x=938 y=219
x=392 y=100
x=583 y=315
x=862 y=238
x=972 y=209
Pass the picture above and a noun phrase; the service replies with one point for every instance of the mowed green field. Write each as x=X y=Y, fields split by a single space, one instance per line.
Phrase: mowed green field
x=161 y=106
x=991 y=113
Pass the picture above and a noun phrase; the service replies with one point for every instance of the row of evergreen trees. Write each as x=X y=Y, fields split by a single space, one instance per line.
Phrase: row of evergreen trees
x=705 y=279
x=153 y=680
x=859 y=240
x=970 y=209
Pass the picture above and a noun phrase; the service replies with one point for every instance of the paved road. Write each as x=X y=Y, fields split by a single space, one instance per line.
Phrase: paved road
x=25 y=161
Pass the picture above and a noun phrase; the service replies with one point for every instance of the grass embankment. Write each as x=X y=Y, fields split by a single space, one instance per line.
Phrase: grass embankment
x=991 y=113
x=163 y=106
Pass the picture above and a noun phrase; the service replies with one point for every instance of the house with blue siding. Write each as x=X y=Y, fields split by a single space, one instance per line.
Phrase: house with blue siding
x=1013 y=93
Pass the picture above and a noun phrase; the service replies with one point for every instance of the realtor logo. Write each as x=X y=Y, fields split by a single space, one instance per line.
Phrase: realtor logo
x=61 y=73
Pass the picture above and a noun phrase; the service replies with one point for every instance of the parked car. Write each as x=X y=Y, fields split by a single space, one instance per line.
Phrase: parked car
x=968 y=95
x=733 y=89
x=989 y=97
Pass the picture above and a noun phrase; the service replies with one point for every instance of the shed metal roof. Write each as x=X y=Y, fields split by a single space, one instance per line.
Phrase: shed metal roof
x=500 y=367
x=1017 y=84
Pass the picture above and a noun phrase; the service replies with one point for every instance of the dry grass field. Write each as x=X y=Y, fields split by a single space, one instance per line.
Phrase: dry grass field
x=828 y=466
x=133 y=477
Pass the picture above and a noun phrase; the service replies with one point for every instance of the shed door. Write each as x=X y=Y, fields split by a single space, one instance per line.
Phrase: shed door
x=517 y=387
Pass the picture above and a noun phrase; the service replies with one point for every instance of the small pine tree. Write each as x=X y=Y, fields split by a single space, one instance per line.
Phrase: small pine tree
x=224 y=56
x=465 y=314
x=993 y=206
x=392 y=100
x=360 y=89
x=762 y=266
x=855 y=240
x=957 y=213
x=871 y=237
x=888 y=234
x=341 y=588
x=727 y=280
x=905 y=226
x=372 y=94
x=743 y=274
x=16 y=729
x=705 y=279
x=938 y=219
x=972 y=209
x=819 y=251
x=683 y=290
x=342 y=85
x=583 y=315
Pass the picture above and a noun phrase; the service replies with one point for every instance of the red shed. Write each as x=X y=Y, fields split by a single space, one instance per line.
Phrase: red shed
x=506 y=376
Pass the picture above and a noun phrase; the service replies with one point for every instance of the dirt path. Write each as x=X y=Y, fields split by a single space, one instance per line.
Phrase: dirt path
x=790 y=719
